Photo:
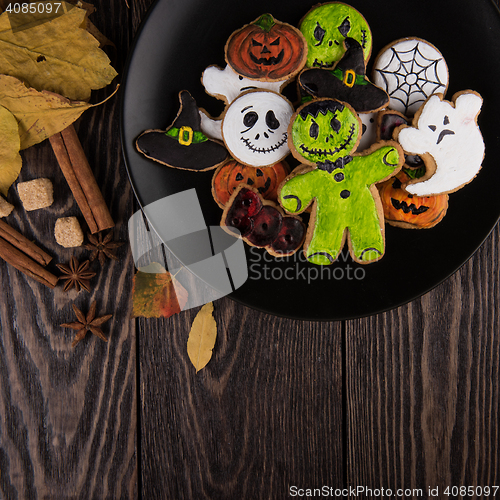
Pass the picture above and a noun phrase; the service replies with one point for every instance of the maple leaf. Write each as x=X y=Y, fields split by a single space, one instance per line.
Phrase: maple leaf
x=53 y=51
x=158 y=294
x=10 y=159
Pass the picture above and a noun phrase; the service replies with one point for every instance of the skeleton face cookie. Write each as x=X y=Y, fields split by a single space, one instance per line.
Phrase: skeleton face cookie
x=254 y=128
x=446 y=135
x=326 y=26
x=410 y=70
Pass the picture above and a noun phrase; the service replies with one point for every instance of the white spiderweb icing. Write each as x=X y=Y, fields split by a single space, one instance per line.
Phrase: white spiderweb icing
x=411 y=75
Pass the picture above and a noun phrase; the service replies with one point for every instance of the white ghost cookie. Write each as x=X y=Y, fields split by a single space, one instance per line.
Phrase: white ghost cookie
x=226 y=85
x=447 y=137
x=255 y=128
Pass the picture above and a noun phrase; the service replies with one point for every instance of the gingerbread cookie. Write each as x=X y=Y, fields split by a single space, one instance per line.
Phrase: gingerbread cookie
x=326 y=26
x=340 y=186
x=254 y=128
x=262 y=223
x=229 y=176
x=183 y=145
x=346 y=82
x=447 y=137
x=406 y=210
x=226 y=85
x=266 y=50
x=410 y=70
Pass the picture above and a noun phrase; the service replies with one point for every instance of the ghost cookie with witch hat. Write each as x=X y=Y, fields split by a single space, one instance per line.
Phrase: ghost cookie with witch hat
x=183 y=145
x=338 y=184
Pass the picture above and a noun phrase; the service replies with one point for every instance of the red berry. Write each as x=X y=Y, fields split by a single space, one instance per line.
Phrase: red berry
x=266 y=226
x=290 y=236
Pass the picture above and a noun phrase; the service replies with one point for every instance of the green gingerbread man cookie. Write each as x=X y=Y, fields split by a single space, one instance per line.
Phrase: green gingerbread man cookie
x=340 y=186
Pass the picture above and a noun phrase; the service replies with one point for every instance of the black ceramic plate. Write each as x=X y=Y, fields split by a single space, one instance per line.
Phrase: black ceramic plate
x=179 y=39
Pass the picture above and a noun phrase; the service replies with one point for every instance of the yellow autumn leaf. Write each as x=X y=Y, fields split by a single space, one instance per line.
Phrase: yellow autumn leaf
x=53 y=51
x=202 y=337
x=39 y=114
x=10 y=159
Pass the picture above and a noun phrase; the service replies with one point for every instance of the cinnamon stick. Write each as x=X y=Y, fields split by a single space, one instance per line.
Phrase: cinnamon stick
x=22 y=243
x=81 y=180
x=25 y=264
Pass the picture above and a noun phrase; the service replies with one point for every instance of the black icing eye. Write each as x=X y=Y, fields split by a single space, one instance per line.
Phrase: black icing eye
x=446 y=121
x=314 y=130
x=271 y=120
x=345 y=27
x=255 y=43
x=276 y=42
x=319 y=34
x=433 y=127
x=250 y=119
x=335 y=124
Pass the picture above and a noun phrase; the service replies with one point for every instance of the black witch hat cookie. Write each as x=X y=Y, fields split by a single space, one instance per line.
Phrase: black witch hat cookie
x=183 y=145
x=347 y=82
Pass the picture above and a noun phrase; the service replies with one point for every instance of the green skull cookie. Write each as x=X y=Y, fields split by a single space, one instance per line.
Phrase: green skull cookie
x=326 y=26
x=339 y=186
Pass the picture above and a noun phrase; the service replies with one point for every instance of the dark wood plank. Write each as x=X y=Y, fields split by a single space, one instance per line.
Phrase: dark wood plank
x=68 y=416
x=264 y=415
x=423 y=385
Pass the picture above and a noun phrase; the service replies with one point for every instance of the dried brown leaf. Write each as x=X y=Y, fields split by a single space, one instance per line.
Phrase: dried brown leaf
x=54 y=52
x=202 y=337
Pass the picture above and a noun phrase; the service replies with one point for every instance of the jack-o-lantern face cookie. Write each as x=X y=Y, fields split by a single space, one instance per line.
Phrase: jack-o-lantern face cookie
x=266 y=49
x=254 y=128
x=326 y=26
x=229 y=176
x=406 y=210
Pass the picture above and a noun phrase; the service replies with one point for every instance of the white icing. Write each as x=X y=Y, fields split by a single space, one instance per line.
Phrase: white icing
x=409 y=71
x=227 y=85
x=452 y=137
x=254 y=128
x=369 y=136
x=210 y=127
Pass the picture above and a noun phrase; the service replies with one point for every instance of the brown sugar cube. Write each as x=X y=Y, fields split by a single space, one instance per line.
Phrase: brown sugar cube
x=36 y=194
x=68 y=232
x=5 y=207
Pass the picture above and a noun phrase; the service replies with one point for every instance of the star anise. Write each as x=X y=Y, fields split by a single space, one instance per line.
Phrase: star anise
x=87 y=323
x=102 y=248
x=76 y=275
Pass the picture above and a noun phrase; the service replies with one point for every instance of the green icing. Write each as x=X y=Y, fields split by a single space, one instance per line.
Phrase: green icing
x=336 y=213
x=325 y=29
x=197 y=136
x=322 y=133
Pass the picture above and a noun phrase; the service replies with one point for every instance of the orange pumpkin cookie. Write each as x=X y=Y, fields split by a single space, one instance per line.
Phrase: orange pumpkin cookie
x=267 y=50
x=265 y=179
x=403 y=209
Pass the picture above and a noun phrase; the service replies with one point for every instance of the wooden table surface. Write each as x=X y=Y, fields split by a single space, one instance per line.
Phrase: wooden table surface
x=407 y=399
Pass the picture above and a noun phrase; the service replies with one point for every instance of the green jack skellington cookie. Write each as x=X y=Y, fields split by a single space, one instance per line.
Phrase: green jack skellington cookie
x=326 y=26
x=340 y=186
